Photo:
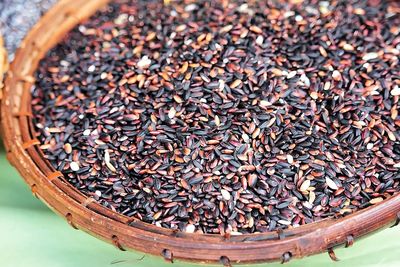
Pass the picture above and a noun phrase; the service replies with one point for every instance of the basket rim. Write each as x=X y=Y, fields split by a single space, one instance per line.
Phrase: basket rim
x=3 y=64
x=86 y=214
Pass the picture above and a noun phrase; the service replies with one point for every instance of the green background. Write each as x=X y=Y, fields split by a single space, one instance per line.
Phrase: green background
x=32 y=235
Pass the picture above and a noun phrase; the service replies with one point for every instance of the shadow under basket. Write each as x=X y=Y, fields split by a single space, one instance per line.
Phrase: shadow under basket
x=126 y=233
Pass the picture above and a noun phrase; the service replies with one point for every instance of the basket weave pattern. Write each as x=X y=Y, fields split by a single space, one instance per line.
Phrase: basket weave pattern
x=85 y=213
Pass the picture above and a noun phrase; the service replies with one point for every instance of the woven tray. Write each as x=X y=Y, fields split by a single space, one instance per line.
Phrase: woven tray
x=127 y=233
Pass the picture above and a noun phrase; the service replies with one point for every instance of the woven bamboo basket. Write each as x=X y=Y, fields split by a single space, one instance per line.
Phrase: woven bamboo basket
x=126 y=233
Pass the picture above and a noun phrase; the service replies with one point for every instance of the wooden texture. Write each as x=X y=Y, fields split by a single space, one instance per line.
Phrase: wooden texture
x=85 y=214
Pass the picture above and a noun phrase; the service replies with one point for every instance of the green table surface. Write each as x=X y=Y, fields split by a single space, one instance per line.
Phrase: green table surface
x=32 y=235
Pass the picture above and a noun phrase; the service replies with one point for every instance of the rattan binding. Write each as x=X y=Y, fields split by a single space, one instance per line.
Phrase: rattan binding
x=129 y=234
